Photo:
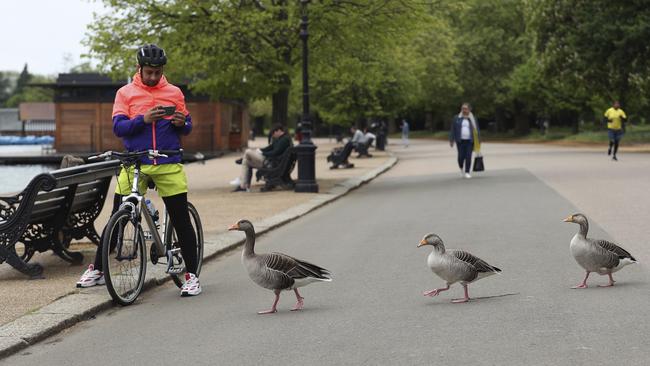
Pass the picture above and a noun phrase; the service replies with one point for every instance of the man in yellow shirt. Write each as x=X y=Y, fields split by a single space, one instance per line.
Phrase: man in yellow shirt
x=615 y=127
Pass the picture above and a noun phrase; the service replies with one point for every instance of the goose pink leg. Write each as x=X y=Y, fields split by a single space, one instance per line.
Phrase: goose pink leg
x=465 y=299
x=611 y=281
x=435 y=291
x=300 y=302
x=584 y=282
x=275 y=304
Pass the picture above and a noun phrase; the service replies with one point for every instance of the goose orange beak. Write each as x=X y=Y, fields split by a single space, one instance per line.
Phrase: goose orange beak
x=422 y=242
x=568 y=219
x=233 y=227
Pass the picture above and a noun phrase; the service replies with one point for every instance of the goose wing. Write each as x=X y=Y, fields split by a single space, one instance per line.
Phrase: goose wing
x=274 y=270
x=299 y=269
x=614 y=249
x=474 y=261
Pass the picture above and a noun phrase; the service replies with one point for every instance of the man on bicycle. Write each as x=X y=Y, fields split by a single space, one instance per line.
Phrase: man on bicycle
x=141 y=121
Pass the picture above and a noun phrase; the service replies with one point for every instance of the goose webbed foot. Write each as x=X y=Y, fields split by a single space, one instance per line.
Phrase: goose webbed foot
x=465 y=299
x=611 y=282
x=300 y=303
x=435 y=291
x=460 y=301
x=270 y=311
x=584 y=282
x=273 y=309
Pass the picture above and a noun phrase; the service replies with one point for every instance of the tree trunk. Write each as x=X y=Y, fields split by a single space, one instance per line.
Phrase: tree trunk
x=280 y=114
x=522 y=127
x=429 y=124
x=500 y=119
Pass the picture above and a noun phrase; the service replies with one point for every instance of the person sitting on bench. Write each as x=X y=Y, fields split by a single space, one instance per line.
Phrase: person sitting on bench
x=254 y=158
x=369 y=136
x=358 y=138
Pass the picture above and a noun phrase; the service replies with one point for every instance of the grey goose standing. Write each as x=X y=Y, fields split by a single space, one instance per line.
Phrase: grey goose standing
x=600 y=256
x=454 y=266
x=277 y=271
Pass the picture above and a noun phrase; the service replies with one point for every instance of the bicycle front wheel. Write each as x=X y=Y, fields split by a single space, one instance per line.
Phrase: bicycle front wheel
x=172 y=239
x=124 y=257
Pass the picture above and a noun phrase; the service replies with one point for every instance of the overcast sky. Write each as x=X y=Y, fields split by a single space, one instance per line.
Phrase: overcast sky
x=41 y=33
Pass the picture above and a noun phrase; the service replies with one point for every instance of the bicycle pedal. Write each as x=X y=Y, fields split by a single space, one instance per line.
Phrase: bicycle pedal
x=175 y=270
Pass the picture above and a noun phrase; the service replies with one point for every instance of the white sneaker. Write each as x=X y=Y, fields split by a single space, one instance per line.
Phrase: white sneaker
x=192 y=287
x=91 y=277
x=235 y=182
x=467 y=175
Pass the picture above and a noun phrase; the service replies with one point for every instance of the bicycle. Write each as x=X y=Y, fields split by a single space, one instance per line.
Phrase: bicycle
x=124 y=241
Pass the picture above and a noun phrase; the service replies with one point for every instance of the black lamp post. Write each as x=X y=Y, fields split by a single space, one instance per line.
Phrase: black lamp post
x=306 y=150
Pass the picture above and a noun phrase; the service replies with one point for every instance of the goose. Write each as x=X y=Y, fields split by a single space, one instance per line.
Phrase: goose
x=594 y=255
x=277 y=271
x=454 y=266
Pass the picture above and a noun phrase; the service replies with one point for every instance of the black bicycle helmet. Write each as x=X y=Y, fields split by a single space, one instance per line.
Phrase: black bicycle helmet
x=151 y=55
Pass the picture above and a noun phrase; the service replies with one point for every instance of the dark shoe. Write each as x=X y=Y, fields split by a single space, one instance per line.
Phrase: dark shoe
x=609 y=151
x=240 y=189
x=239 y=161
x=614 y=158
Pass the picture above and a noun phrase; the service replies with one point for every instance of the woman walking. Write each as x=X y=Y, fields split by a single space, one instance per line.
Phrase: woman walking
x=464 y=132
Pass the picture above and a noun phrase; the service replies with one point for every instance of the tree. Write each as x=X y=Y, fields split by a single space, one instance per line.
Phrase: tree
x=23 y=92
x=5 y=88
x=23 y=80
x=598 y=45
x=489 y=49
x=246 y=49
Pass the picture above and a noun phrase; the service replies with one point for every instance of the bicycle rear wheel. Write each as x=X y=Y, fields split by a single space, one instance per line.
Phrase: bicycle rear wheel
x=124 y=258
x=172 y=239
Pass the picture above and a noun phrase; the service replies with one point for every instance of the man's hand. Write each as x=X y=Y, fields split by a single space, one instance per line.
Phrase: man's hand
x=153 y=114
x=178 y=120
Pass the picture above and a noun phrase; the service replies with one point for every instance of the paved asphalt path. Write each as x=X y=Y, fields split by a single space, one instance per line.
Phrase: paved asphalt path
x=373 y=313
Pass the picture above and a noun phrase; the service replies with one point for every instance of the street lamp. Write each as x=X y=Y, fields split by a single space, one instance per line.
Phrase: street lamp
x=305 y=150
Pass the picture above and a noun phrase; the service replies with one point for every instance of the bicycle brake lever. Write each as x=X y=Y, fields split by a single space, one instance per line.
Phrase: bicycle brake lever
x=102 y=155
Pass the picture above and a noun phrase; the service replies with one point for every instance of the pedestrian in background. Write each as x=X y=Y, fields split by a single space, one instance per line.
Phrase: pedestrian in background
x=405 y=133
x=615 y=127
x=464 y=132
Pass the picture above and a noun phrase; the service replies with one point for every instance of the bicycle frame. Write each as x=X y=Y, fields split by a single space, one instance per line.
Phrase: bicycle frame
x=137 y=212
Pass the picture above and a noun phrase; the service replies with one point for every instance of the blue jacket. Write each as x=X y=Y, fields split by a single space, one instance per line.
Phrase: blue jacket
x=456 y=126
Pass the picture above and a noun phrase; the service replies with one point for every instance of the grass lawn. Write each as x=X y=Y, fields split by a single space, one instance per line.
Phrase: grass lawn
x=635 y=134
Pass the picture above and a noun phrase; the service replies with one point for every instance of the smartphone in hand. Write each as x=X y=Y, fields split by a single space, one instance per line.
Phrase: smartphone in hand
x=169 y=111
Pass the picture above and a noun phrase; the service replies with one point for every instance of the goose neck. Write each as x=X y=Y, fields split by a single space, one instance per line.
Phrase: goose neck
x=584 y=228
x=249 y=245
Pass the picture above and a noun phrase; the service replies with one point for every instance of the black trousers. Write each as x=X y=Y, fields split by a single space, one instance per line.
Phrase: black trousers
x=465 y=148
x=180 y=219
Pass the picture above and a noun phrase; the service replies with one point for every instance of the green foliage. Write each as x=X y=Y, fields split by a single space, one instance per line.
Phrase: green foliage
x=23 y=92
x=512 y=59
x=491 y=42
x=5 y=88
x=23 y=79
x=598 y=46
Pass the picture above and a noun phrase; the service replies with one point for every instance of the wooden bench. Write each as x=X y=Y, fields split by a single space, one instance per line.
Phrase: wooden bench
x=277 y=171
x=54 y=209
x=339 y=156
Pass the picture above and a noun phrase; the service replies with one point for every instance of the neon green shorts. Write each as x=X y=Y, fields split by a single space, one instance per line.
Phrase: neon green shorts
x=170 y=179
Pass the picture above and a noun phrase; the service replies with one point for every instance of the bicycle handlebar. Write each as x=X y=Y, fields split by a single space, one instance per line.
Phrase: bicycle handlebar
x=151 y=154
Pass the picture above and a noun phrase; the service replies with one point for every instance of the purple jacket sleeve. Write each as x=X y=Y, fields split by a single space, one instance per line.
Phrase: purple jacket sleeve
x=123 y=126
x=187 y=128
